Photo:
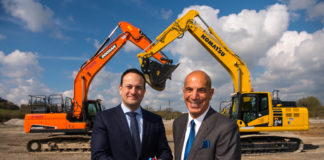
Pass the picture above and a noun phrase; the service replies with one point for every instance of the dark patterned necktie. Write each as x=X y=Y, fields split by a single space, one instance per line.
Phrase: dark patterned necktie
x=135 y=131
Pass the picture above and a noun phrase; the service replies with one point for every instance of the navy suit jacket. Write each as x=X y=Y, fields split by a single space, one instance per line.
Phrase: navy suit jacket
x=111 y=137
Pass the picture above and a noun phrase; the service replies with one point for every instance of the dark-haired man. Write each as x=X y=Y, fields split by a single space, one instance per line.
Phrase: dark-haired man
x=127 y=131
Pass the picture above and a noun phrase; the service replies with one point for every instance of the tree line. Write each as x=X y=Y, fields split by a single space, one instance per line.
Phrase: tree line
x=9 y=110
x=314 y=106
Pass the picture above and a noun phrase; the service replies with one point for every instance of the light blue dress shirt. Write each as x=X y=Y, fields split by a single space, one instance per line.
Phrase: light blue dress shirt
x=139 y=118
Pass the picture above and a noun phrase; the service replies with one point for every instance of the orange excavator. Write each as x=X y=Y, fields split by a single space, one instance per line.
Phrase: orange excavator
x=75 y=116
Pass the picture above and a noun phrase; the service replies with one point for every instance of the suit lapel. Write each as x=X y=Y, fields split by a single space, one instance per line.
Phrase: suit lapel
x=202 y=133
x=146 y=130
x=181 y=135
x=124 y=129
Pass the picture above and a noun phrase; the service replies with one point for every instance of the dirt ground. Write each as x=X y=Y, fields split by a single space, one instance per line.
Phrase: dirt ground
x=13 y=144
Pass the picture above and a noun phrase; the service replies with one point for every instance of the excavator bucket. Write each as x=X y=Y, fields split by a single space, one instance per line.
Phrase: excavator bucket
x=156 y=73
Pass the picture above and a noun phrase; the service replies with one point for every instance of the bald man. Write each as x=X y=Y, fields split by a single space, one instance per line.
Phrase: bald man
x=203 y=133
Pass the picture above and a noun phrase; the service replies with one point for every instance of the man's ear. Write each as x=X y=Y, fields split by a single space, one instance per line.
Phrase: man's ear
x=211 y=93
x=120 y=88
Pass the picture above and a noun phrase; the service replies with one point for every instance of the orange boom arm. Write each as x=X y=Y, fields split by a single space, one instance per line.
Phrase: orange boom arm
x=89 y=70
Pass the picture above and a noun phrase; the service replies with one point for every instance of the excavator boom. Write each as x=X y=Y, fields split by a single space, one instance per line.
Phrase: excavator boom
x=210 y=41
x=89 y=70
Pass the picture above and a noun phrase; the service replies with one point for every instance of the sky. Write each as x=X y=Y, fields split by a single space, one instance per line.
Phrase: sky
x=43 y=44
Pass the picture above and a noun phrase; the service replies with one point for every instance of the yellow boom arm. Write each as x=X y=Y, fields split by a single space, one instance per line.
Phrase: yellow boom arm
x=210 y=40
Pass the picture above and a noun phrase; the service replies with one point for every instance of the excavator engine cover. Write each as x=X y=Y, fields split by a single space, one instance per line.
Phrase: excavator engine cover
x=156 y=73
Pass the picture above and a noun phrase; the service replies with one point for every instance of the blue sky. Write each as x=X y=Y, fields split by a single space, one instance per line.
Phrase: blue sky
x=43 y=43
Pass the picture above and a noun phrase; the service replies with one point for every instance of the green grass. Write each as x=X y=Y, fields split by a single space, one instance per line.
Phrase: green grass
x=6 y=114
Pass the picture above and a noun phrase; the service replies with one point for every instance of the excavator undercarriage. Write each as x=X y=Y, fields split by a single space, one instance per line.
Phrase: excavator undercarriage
x=251 y=144
x=261 y=144
x=60 y=143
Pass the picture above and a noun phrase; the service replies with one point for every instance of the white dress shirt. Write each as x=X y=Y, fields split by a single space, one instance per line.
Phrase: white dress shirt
x=198 y=122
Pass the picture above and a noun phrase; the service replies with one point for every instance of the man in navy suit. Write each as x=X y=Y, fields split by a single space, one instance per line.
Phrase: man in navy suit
x=127 y=131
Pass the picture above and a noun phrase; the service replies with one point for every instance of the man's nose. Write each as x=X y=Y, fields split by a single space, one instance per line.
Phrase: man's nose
x=133 y=90
x=195 y=94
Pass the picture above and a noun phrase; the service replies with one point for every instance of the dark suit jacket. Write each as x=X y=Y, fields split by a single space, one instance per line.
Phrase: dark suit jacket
x=217 y=138
x=111 y=137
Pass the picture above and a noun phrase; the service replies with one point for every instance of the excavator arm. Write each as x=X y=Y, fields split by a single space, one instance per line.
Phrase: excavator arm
x=91 y=67
x=210 y=41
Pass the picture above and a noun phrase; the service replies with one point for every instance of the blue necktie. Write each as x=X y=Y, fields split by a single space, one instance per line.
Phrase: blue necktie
x=190 y=139
x=135 y=131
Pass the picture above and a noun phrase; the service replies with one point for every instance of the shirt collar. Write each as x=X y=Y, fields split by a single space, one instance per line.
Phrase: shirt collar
x=125 y=109
x=199 y=119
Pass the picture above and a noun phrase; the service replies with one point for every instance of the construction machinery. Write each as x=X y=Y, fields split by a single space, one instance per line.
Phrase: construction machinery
x=253 y=111
x=75 y=116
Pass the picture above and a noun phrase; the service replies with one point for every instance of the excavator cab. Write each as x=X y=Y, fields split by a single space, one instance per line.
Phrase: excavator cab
x=38 y=104
x=254 y=106
x=46 y=104
x=91 y=108
x=249 y=107
x=156 y=73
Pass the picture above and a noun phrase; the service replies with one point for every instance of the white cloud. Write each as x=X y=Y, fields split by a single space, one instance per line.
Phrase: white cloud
x=317 y=11
x=103 y=86
x=105 y=78
x=95 y=42
x=19 y=72
x=59 y=35
x=295 y=65
x=21 y=88
x=35 y=15
x=166 y=14
x=291 y=61
x=2 y=37
x=254 y=36
x=19 y=64
x=65 y=58
x=68 y=93
x=314 y=8
x=300 y=4
x=251 y=34
x=248 y=33
x=130 y=47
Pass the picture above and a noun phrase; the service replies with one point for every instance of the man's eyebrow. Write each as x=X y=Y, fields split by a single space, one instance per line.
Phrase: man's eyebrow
x=202 y=89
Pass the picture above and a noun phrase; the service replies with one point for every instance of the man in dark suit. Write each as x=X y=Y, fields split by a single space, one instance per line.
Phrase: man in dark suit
x=203 y=133
x=127 y=131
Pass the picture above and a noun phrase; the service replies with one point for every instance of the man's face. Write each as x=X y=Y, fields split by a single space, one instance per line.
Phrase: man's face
x=132 y=90
x=197 y=94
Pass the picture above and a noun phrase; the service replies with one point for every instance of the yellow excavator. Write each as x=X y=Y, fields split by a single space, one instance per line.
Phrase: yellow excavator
x=253 y=111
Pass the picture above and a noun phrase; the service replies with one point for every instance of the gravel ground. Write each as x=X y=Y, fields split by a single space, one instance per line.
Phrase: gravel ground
x=13 y=144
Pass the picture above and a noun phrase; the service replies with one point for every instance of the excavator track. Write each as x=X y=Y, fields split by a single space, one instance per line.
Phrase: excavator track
x=65 y=143
x=270 y=144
